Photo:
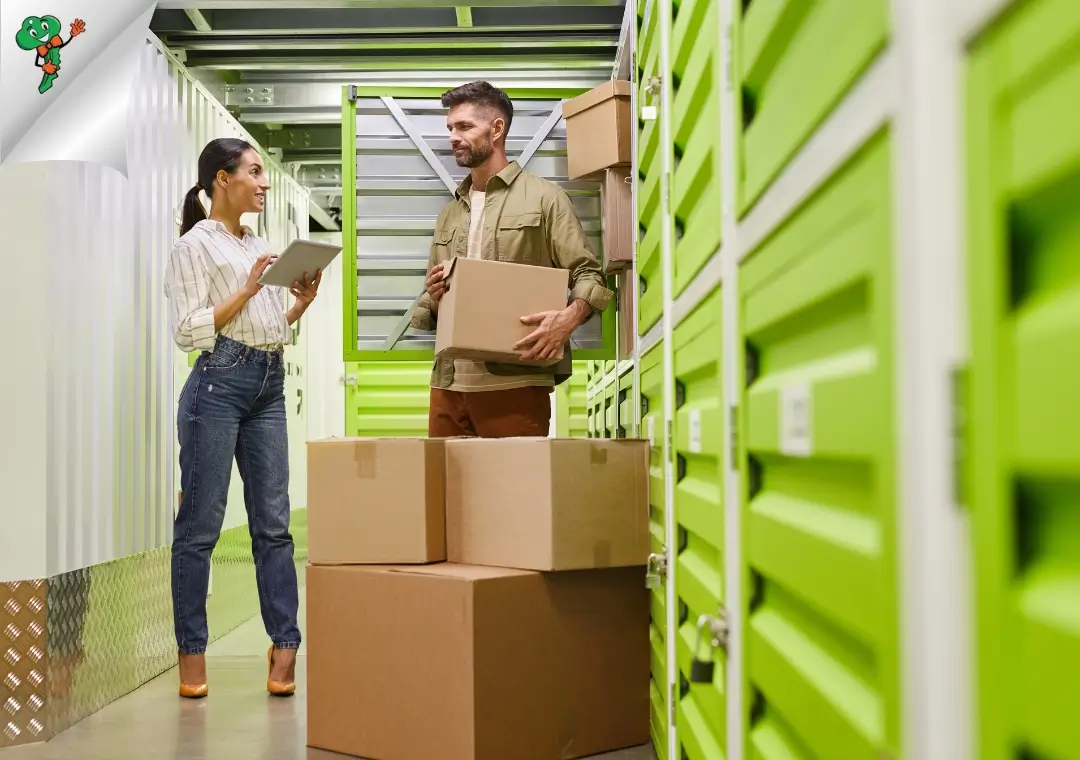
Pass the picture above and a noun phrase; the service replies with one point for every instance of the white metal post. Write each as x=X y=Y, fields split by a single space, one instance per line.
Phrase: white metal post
x=667 y=266
x=731 y=375
x=934 y=538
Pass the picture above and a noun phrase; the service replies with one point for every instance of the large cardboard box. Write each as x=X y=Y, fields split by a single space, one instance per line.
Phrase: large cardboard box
x=547 y=503
x=616 y=197
x=480 y=314
x=376 y=500
x=450 y=662
x=598 y=125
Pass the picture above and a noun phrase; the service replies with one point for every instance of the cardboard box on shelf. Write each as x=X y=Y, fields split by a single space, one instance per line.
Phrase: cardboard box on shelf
x=373 y=500
x=473 y=663
x=618 y=220
x=598 y=125
x=547 y=503
x=480 y=314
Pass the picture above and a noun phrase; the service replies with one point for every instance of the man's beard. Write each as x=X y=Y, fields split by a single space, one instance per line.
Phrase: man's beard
x=475 y=156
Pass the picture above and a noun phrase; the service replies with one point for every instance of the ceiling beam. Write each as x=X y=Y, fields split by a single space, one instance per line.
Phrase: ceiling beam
x=383 y=62
x=402 y=44
x=198 y=20
x=320 y=215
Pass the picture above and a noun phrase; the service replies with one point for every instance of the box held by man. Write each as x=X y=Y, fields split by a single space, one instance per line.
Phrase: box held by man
x=480 y=314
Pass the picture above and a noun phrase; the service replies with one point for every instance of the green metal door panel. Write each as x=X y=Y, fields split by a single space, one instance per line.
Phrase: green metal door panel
x=818 y=469
x=610 y=409
x=651 y=370
x=388 y=399
x=1022 y=477
x=699 y=515
x=796 y=60
x=650 y=274
x=571 y=405
x=627 y=410
x=696 y=129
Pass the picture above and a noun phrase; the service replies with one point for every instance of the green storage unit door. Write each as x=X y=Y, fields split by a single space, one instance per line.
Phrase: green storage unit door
x=695 y=126
x=625 y=400
x=652 y=424
x=1023 y=473
x=610 y=411
x=649 y=167
x=388 y=399
x=699 y=515
x=571 y=405
x=819 y=535
x=796 y=60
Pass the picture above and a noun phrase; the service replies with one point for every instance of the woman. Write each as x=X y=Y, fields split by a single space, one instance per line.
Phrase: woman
x=232 y=405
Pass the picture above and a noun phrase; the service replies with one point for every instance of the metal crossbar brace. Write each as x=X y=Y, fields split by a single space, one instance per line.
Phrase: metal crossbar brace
x=420 y=143
x=542 y=135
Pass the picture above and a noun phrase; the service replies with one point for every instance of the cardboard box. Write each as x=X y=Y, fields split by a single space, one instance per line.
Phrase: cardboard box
x=480 y=314
x=617 y=223
x=376 y=500
x=598 y=125
x=547 y=503
x=450 y=662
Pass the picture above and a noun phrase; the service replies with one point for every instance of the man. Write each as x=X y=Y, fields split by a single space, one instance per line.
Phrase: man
x=504 y=213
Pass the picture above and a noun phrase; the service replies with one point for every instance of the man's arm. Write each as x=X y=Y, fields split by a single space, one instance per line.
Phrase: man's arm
x=570 y=250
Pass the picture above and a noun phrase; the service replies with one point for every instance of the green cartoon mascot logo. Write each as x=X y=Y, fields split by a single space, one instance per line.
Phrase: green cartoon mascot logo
x=42 y=35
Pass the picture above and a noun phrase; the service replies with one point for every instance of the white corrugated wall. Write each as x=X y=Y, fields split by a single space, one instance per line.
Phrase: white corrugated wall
x=88 y=463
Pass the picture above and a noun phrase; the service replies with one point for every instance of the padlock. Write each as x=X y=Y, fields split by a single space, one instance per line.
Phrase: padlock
x=702 y=670
x=653 y=580
x=653 y=571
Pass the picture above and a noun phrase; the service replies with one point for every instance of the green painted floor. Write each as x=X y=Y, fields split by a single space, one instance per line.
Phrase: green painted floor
x=237 y=722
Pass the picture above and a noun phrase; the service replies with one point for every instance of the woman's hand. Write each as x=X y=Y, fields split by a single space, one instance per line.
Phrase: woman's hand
x=305 y=291
x=252 y=286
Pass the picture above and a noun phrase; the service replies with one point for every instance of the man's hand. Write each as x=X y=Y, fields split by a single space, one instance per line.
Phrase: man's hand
x=435 y=285
x=554 y=328
x=304 y=291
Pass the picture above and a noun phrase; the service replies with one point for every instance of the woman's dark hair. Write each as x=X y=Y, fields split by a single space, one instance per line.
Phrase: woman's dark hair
x=222 y=154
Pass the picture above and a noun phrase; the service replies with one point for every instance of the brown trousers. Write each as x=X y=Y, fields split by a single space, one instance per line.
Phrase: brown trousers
x=519 y=412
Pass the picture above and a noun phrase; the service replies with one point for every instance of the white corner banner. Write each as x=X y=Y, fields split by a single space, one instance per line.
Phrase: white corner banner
x=66 y=74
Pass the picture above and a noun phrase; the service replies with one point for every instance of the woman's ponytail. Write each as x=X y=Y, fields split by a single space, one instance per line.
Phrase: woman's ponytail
x=193 y=210
x=220 y=155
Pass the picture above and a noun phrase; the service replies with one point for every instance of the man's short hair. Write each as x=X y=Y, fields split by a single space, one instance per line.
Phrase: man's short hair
x=483 y=94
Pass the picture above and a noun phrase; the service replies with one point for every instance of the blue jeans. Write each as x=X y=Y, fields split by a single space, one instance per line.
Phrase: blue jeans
x=233 y=405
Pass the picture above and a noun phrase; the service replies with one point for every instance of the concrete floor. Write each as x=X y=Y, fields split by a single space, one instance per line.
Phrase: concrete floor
x=238 y=720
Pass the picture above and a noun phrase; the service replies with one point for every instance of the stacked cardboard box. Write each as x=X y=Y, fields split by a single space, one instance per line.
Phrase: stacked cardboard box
x=530 y=643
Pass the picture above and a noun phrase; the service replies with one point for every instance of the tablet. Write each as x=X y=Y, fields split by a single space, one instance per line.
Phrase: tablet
x=299 y=257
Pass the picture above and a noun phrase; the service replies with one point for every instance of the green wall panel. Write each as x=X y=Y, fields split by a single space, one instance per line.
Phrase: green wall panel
x=652 y=419
x=625 y=400
x=795 y=62
x=699 y=515
x=388 y=399
x=1023 y=436
x=818 y=437
x=696 y=129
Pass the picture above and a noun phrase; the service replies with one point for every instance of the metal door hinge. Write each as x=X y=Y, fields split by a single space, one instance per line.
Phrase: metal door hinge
x=729 y=74
x=733 y=436
x=672 y=697
x=959 y=390
x=354 y=93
